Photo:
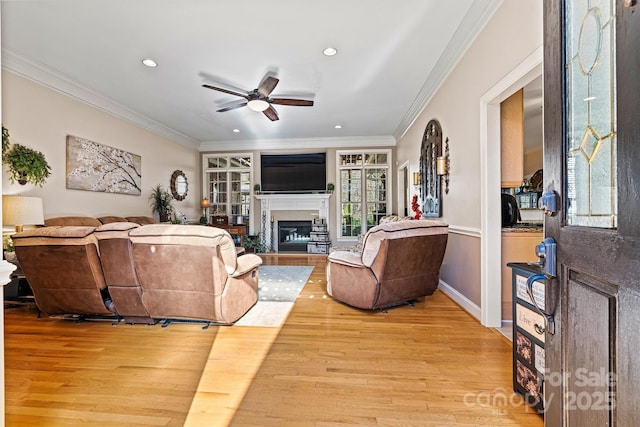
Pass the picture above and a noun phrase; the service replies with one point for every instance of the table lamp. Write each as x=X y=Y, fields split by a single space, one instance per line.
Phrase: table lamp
x=20 y=211
x=204 y=204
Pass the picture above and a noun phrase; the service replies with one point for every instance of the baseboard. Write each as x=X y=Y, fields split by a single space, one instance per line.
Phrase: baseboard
x=464 y=302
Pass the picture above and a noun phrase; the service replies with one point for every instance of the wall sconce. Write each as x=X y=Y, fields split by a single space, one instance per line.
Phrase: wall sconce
x=416 y=179
x=442 y=166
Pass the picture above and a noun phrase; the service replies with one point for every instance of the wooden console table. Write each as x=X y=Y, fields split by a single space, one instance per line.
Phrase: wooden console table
x=237 y=232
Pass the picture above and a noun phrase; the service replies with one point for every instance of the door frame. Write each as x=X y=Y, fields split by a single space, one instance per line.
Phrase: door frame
x=403 y=186
x=490 y=224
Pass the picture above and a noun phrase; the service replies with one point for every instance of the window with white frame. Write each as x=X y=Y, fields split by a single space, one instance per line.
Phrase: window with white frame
x=227 y=184
x=364 y=190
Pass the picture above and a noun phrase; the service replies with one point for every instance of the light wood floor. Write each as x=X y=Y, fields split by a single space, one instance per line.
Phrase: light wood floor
x=328 y=365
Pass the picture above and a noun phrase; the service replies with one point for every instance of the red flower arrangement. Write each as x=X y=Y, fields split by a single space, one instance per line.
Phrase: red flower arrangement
x=415 y=206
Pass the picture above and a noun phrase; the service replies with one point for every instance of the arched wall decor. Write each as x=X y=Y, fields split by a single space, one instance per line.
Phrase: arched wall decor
x=430 y=191
x=179 y=185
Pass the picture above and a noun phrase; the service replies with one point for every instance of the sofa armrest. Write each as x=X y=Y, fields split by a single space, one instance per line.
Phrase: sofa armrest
x=246 y=263
x=351 y=259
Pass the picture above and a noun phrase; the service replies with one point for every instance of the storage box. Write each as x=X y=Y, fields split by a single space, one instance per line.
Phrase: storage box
x=319 y=228
x=318 y=247
x=319 y=237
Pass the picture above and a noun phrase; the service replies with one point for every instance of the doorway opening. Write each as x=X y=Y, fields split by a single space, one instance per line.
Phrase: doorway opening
x=491 y=227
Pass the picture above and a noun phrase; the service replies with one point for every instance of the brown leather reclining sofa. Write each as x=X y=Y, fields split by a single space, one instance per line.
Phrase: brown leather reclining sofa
x=400 y=261
x=142 y=273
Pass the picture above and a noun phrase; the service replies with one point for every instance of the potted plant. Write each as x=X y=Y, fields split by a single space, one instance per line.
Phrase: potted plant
x=252 y=244
x=256 y=188
x=330 y=188
x=9 y=250
x=25 y=164
x=160 y=203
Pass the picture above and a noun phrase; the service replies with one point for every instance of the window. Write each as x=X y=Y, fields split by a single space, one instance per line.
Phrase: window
x=364 y=190
x=227 y=183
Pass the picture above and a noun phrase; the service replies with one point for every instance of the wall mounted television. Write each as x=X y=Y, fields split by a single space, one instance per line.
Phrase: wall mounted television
x=293 y=173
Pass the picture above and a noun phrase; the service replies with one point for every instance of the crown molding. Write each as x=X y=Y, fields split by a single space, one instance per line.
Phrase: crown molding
x=306 y=143
x=37 y=72
x=471 y=25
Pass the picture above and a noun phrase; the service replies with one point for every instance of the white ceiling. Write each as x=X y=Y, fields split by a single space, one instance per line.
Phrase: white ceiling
x=392 y=55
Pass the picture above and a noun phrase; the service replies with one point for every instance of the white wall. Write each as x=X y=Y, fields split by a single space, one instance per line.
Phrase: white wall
x=511 y=35
x=41 y=118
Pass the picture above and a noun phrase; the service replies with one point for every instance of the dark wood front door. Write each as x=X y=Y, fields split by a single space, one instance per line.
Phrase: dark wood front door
x=592 y=162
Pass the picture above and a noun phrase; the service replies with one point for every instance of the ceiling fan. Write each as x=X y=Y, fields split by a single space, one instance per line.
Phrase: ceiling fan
x=259 y=100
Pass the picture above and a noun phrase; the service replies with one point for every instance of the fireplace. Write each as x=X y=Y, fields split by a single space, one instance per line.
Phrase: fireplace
x=290 y=203
x=293 y=236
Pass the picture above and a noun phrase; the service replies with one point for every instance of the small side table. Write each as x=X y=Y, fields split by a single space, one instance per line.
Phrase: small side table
x=18 y=290
x=237 y=232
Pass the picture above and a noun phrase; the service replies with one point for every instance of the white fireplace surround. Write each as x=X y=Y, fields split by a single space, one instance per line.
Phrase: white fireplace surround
x=290 y=202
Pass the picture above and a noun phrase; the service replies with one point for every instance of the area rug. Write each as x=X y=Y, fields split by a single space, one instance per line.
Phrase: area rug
x=278 y=288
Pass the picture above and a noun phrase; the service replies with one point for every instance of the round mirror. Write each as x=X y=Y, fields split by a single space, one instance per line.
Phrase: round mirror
x=179 y=185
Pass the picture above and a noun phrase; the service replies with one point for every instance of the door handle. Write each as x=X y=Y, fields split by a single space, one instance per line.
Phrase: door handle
x=546 y=253
x=548 y=202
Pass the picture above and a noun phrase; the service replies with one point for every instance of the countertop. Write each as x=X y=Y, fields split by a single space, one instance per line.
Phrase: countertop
x=524 y=229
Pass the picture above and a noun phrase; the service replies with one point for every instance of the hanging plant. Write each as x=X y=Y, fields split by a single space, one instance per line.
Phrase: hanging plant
x=5 y=140
x=25 y=164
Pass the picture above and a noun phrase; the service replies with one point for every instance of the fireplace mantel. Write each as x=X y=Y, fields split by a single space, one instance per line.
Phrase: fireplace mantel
x=290 y=202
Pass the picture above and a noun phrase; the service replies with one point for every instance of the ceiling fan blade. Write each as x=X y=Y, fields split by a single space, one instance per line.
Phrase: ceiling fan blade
x=230 y=92
x=271 y=113
x=267 y=86
x=232 y=107
x=289 y=101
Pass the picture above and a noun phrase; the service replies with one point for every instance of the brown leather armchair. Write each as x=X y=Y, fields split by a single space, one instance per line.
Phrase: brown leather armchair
x=399 y=262
x=63 y=269
x=193 y=273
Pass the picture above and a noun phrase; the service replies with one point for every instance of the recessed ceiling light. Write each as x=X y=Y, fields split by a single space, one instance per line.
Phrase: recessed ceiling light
x=236 y=131
x=338 y=126
x=330 y=51
x=149 y=62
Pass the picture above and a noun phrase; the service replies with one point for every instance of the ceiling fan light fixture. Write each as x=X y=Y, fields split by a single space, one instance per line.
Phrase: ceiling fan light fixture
x=258 y=105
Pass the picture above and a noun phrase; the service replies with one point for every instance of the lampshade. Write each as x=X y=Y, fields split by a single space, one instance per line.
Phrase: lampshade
x=204 y=203
x=258 y=105
x=19 y=211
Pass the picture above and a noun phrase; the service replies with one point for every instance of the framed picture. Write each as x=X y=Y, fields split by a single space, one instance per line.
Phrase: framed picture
x=96 y=167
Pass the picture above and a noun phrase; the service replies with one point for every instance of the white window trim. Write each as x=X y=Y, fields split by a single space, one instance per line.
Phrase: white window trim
x=338 y=189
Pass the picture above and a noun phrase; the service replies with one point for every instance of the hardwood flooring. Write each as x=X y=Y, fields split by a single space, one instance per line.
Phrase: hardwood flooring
x=328 y=365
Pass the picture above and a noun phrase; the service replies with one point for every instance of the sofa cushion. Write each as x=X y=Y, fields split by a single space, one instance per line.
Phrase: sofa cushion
x=72 y=220
x=78 y=235
x=118 y=226
x=114 y=230
x=142 y=220
x=394 y=218
x=110 y=219
x=193 y=235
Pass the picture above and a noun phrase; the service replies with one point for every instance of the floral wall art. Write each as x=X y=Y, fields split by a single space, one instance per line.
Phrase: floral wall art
x=96 y=167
